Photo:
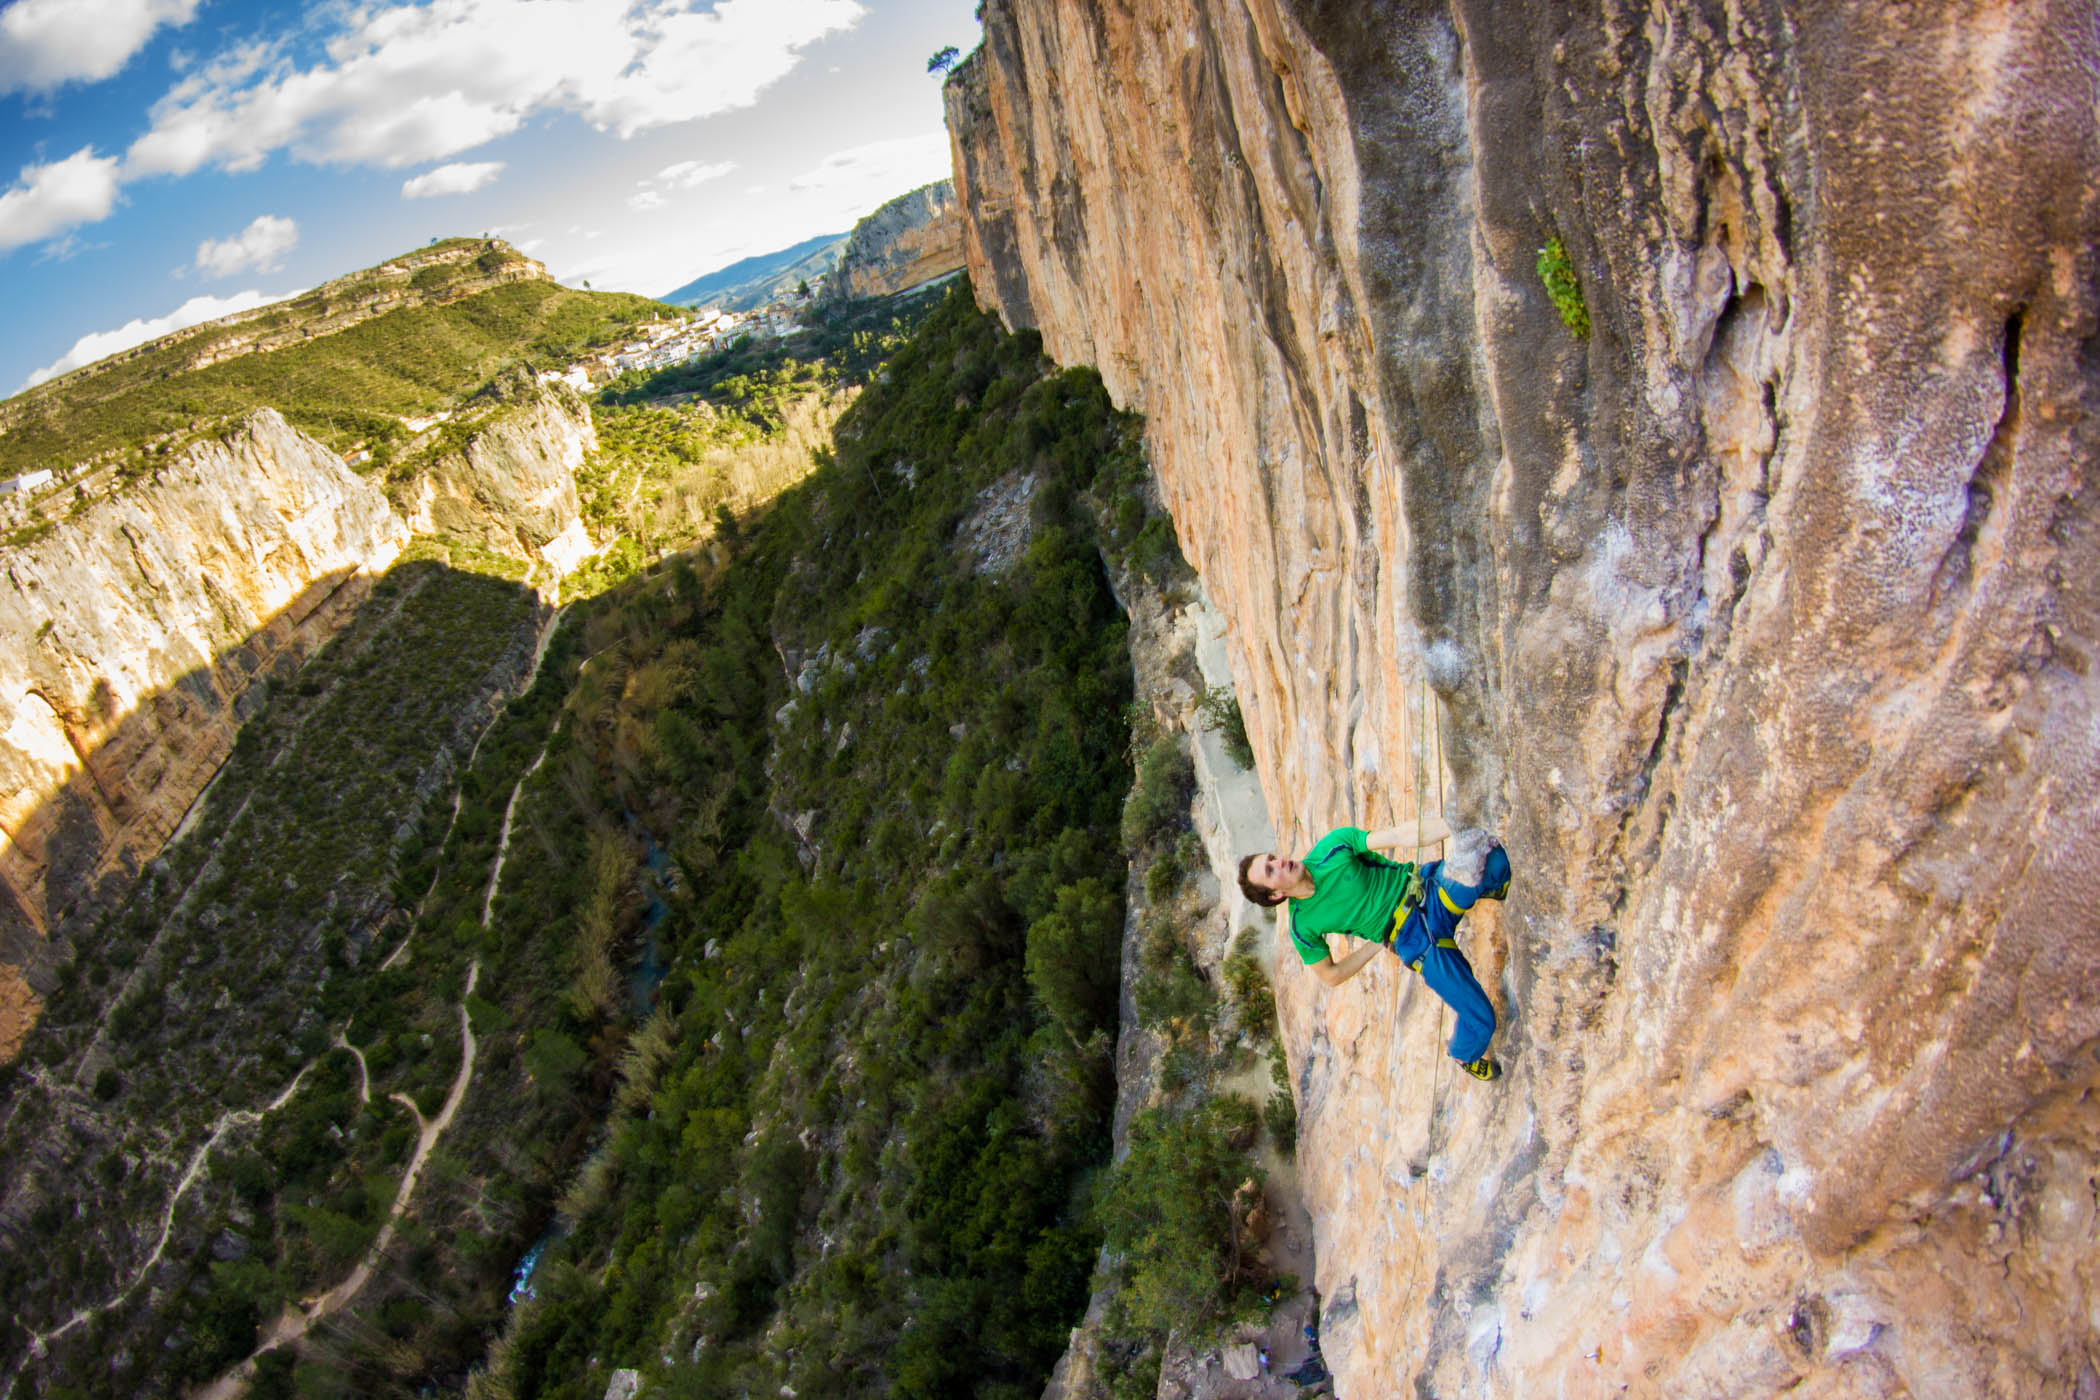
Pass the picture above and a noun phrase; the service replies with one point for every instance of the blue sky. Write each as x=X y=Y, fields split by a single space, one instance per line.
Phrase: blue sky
x=178 y=159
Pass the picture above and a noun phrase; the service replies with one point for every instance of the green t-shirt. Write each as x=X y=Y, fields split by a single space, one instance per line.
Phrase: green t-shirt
x=1354 y=892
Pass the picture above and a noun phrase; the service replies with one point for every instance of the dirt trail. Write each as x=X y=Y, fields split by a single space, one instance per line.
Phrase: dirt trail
x=297 y=1320
x=226 y=1122
x=364 y=1075
x=539 y=654
x=510 y=809
x=293 y=1324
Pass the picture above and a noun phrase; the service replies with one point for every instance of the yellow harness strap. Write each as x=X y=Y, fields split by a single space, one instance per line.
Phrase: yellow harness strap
x=1416 y=965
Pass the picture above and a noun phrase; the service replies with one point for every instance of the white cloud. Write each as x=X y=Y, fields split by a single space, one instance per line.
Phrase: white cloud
x=652 y=193
x=49 y=199
x=688 y=173
x=408 y=83
x=458 y=178
x=45 y=44
x=90 y=348
x=900 y=164
x=262 y=246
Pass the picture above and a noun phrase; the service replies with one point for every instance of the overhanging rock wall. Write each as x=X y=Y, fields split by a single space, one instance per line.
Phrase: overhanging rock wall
x=1760 y=622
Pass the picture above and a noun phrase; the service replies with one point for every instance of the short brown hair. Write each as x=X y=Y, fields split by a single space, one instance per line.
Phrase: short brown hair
x=1266 y=898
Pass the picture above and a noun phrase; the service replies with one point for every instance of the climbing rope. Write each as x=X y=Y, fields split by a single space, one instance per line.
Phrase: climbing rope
x=1437 y=1077
x=1438 y=716
x=1421 y=755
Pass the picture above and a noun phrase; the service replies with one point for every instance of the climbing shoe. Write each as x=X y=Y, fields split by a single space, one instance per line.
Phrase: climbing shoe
x=1483 y=1068
x=1497 y=863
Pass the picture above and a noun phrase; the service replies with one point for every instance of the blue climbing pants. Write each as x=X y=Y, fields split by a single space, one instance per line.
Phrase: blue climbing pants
x=1423 y=935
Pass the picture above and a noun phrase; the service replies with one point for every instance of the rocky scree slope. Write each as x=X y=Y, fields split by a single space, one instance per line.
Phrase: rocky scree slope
x=1746 y=586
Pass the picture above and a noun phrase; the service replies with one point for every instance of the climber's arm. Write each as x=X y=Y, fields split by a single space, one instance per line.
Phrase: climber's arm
x=1413 y=835
x=1335 y=973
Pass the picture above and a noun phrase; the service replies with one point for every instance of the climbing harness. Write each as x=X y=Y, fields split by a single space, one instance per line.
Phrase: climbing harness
x=1441 y=943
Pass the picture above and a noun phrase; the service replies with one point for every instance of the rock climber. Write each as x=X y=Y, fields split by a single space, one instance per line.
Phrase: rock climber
x=1343 y=887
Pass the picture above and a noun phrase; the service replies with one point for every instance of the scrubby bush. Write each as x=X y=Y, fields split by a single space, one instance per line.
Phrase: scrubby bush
x=1074 y=958
x=1167 y=1217
x=1247 y=983
x=1220 y=708
x=1557 y=271
x=1171 y=991
x=1158 y=806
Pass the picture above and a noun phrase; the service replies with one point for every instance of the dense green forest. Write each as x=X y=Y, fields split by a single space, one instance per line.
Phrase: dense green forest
x=851 y=1155
x=850 y=783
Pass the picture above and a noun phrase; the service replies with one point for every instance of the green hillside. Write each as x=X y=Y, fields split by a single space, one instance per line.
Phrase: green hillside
x=343 y=386
x=845 y=1144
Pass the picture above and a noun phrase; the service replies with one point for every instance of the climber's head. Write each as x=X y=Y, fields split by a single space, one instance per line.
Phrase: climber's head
x=1266 y=879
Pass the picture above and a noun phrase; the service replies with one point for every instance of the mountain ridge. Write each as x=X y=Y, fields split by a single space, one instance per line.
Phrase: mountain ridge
x=751 y=282
x=347 y=362
x=506 y=264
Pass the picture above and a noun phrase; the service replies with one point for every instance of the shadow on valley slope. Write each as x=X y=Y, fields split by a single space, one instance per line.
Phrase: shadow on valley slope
x=117 y=785
x=185 y=990
x=847 y=787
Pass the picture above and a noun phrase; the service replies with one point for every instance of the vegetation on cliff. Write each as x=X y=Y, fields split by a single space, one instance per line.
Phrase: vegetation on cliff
x=679 y=446
x=343 y=386
x=1184 y=1255
x=851 y=1161
x=222 y=983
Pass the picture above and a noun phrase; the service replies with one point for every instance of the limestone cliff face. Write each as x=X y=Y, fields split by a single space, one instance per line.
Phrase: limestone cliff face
x=1760 y=622
x=135 y=630
x=912 y=239
x=509 y=480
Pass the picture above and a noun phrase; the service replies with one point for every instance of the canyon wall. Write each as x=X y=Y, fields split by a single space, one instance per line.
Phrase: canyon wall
x=138 y=625
x=506 y=478
x=142 y=625
x=912 y=239
x=1758 y=618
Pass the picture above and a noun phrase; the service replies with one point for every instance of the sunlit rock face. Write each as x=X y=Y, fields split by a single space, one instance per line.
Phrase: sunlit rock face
x=133 y=632
x=140 y=627
x=1759 y=622
x=512 y=485
x=914 y=238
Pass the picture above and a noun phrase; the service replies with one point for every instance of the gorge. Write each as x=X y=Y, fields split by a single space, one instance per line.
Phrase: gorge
x=1660 y=434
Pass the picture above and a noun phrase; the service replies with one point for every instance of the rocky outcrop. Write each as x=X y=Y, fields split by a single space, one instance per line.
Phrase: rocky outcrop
x=1759 y=620
x=909 y=241
x=504 y=476
x=137 y=629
